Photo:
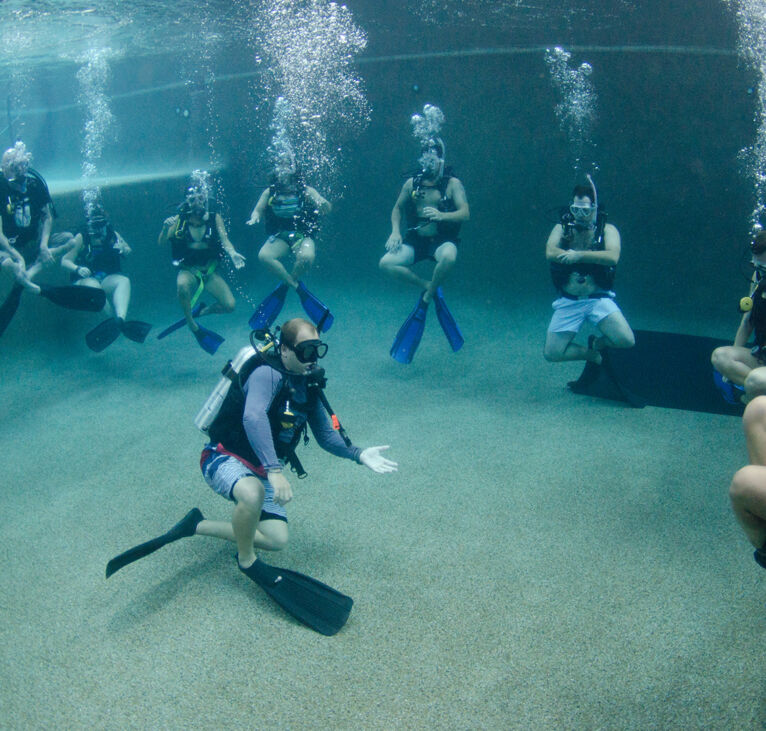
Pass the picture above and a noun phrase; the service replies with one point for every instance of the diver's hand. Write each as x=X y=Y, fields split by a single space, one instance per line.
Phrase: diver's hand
x=432 y=214
x=121 y=245
x=45 y=255
x=394 y=242
x=168 y=222
x=83 y=272
x=254 y=218
x=283 y=493
x=372 y=458
x=569 y=257
x=237 y=259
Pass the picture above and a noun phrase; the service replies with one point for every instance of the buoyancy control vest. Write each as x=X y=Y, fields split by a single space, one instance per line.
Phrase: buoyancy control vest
x=446 y=229
x=603 y=274
x=22 y=211
x=287 y=413
x=181 y=242
x=758 y=312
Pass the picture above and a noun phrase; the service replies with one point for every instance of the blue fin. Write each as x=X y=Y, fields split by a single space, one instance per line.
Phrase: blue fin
x=731 y=392
x=408 y=338
x=450 y=327
x=315 y=309
x=178 y=325
x=208 y=340
x=269 y=309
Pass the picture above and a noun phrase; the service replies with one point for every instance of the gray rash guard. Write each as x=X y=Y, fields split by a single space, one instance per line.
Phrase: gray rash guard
x=260 y=389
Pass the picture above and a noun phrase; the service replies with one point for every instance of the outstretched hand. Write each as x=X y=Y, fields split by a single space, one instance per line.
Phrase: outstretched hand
x=372 y=458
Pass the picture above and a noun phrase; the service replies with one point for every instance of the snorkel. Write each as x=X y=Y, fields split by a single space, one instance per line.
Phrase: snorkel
x=585 y=217
x=595 y=196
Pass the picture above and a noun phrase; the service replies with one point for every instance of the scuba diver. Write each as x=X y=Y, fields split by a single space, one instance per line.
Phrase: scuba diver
x=26 y=218
x=254 y=420
x=95 y=260
x=198 y=240
x=434 y=205
x=583 y=251
x=740 y=370
x=291 y=211
x=748 y=487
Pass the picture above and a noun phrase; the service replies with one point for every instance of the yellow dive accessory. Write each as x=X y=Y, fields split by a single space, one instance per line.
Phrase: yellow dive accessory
x=746 y=304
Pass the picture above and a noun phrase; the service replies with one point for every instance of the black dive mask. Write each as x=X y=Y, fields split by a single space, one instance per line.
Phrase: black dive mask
x=309 y=351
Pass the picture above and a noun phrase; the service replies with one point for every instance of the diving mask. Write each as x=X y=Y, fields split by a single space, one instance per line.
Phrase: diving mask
x=309 y=351
x=582 y=213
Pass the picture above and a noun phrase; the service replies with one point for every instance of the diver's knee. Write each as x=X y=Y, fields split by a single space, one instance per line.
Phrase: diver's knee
x=227 y=304
x=718 y=358
x=249 y=493
x=755 y=382
x=552 y=355
x=279 y=539
x=755 y=413
x=304 y=261
x=626 y=340
x=448 y=254
x=746 y=483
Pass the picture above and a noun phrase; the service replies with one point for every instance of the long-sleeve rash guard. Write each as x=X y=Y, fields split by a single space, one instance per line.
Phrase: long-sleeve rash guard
x=260 y=389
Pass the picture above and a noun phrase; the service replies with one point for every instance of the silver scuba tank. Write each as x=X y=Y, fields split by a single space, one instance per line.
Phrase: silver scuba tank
x=230 y=372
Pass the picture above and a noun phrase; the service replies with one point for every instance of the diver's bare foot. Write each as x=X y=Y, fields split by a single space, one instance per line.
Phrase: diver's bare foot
x=20 y=274
x=593 y=354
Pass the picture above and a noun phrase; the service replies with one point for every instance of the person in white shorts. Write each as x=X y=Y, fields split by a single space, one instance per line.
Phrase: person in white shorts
x=583 y=251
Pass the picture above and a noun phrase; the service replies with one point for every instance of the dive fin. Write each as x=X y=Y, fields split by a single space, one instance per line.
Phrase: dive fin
x=135 y=330
x=632 y=398
x=178 y=325
x=9 y=307
x=185 y=527
x=315 y=309
x=88 y=299
x=450 y=327
x=208 y=340
x=103 y=335
x=408 y=338
x=317 y=605
x=269 y=309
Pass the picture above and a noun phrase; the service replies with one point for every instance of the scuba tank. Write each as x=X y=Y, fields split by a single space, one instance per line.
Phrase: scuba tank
x=230 y=373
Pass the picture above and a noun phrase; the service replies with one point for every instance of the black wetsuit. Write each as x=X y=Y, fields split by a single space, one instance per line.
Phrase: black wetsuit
x=22 y=213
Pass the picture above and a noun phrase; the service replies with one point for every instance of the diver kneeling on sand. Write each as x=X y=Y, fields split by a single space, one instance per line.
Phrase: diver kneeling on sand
x=583 y=251
x=255 y=418
x=748 y=487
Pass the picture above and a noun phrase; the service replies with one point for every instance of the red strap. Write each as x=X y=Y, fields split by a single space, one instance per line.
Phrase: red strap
x=260 y=470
